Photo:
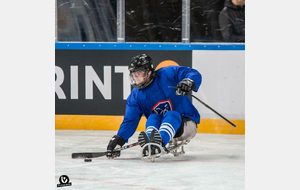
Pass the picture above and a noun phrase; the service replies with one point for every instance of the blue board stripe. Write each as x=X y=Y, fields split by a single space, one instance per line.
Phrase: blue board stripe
x=149 y=46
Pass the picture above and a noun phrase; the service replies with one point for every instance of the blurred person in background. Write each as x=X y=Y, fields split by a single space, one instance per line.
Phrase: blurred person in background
x=232 y=21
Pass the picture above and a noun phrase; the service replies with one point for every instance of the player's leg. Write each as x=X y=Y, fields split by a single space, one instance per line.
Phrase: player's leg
x=153 y=122
x=187 y=131
x=170 y=124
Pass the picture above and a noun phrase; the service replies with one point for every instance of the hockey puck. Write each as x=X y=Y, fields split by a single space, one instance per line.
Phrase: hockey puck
x=87 y=160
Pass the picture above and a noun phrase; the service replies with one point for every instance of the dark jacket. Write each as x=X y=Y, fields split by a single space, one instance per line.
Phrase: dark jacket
x=232 y=22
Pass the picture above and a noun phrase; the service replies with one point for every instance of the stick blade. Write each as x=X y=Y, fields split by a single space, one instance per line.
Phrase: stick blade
x=84 y=155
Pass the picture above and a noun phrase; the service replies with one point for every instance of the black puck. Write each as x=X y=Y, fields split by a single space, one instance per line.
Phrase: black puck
x=87 y=159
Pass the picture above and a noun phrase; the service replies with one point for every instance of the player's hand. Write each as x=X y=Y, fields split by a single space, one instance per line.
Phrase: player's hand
x=115 y=142
x=113 y=154
x=185 y=87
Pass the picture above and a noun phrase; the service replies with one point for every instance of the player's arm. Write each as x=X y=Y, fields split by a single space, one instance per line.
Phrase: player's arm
x=188 y=79
x=130 y=122
x=128 y=127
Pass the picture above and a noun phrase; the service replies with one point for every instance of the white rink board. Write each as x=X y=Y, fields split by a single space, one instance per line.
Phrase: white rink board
x=211 y=162
x=223 y=83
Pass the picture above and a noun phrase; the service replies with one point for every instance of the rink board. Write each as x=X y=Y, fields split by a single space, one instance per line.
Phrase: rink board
x=93 y=122
x=92 y=85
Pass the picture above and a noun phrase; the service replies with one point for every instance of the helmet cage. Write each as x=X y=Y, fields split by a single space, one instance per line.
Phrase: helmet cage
x=139 y=77
x=140 y=63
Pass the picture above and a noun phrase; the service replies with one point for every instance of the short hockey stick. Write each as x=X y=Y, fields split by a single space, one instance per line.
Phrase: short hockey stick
x=232 y=124
x=84 y=155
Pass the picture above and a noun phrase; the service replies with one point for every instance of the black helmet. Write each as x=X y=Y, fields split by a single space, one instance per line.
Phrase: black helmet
x=141 y=63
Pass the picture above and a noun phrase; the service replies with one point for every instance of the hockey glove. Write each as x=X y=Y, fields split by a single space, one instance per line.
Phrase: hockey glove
x=185 y=87
x=115 y=142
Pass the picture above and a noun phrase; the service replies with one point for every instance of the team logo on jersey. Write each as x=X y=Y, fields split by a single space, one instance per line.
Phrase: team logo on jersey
x=162 y=107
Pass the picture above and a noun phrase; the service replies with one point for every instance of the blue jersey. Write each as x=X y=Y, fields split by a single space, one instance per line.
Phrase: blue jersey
x=157 y=98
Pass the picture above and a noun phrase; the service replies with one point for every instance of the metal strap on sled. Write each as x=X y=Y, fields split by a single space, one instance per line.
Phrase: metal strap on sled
x=172 y=148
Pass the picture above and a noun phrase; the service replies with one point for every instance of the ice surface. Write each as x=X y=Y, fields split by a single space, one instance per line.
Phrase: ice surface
x=211 y=162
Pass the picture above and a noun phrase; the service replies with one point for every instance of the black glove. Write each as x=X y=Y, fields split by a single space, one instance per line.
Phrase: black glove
x=185 y=87
x=115 y=142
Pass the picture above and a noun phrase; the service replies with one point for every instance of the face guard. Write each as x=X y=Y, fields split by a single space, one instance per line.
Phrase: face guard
x=139 y=78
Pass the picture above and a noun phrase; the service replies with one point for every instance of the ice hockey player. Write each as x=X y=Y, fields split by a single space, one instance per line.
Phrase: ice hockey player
x=168 y=110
